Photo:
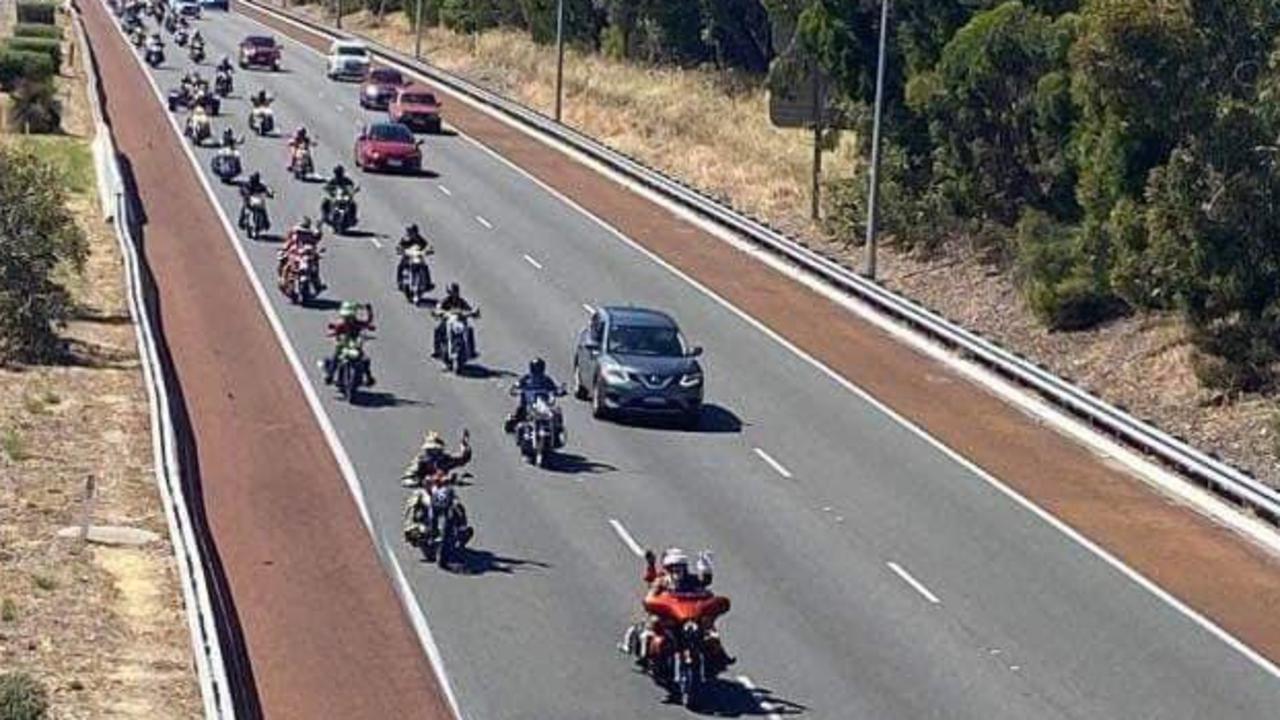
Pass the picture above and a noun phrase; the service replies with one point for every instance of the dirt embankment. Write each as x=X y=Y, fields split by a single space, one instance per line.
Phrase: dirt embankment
x=712 y=130
x=102 y=628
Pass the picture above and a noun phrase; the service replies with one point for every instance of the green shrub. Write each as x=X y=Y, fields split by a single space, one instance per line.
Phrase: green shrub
x=36 y=12
x=22 y=697
x=48 y=46
x=16 y=65
x=39 y=242
x=35 y=107
x=37 y=30
x=1057 y=278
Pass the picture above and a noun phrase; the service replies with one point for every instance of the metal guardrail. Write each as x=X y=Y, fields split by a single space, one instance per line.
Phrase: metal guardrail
x=202 y=618
x=1209 y=471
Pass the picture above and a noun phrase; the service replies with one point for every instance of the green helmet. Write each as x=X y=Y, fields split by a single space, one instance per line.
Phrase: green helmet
x=347 y=310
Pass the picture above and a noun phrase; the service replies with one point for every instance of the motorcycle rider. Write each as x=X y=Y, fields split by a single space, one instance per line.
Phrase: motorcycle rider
x=225 y=65
x=252 y=187
x=412 y=239
x=419 y=508
x=433 y=461
x=299 y=142
x=304 y=233
x=452 y=302
x=535 y=382
x=260 y=99
x=673 y=580
x=350 y=327
x=229 y=139
x=197 y=41
x=338 y=180
x=155 y=42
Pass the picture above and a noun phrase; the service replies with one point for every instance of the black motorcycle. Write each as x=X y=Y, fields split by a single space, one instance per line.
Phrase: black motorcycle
x=352 y=367
x=222 y=83
x=154 y=55
x=446 y=530
x=457 y=348
x=254 y=220
x=541 y=432
x=415 y=277
x=197 y=54
x=339 y=210
x=226 y=164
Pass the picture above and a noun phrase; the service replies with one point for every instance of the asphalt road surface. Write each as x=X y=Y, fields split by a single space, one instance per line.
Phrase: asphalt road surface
x=872 y=575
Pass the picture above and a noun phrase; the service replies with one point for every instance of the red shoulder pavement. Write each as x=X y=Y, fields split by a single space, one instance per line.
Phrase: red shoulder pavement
x=325 y=633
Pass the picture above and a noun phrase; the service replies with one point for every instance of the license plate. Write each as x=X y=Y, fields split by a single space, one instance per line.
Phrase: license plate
x=655 y=401
x=392 y=162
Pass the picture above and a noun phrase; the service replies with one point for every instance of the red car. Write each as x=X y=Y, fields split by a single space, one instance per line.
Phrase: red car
x=388 y=146
x=417 y=107
x=379 y=88
x=260 y=51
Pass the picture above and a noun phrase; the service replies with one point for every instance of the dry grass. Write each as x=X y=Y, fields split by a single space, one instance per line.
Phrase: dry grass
x=103 y=629
x=712 y=130
x=709 y=128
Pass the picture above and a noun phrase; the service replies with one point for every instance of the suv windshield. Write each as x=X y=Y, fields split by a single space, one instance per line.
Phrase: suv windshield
x=349 y=50
x=645 y=340
x=391 y=133
x=382 y=75
x=418 y=98
x=260 y=42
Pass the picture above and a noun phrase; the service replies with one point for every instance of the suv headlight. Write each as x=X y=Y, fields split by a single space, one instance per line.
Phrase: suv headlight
x=613 y=374
x=691 y=379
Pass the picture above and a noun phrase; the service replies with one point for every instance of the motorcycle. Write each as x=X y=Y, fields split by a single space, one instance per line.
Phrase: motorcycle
x=446 y=531
x=458 y=349
x=676 y=651
x=340 y=209
x=197 y=53
x=222 y=83
x=226 y=164
x=256 y=221
x=542 y=430
x=262 y=120
x=302 y=275
x=170 y=24
x=137 y=36
x=198 y=127
x=181 y=37
x=351 y=369
x=415 y=280
x=154 y=55
x=300 y=162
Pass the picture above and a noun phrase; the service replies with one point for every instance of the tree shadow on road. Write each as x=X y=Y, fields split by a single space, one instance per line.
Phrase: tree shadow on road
x=476 y=371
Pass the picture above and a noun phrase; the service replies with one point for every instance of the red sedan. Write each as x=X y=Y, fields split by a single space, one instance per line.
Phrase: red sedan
x=388 y=146
x=379 y=87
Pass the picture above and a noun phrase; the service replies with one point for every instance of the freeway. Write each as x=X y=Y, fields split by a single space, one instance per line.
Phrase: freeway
x=873 y=576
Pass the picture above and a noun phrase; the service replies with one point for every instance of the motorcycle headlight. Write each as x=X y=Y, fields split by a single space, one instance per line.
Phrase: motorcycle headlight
x=613 y=374
x=371 y=91
x=691 y=379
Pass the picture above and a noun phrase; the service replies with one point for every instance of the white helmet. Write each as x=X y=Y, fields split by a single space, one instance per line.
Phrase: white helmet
x=674 y=557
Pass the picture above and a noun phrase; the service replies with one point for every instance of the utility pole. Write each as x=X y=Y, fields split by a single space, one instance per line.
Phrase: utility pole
x=815 y=212
x=559 y=57
x=417 y=22
x=873 y=208
x=337 y=9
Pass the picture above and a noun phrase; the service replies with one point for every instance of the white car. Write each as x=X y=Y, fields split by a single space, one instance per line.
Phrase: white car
x=348 y=59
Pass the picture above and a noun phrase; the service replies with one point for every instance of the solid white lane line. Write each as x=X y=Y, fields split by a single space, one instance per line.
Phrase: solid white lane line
x=376 y=242
x=765 y=705
x=777 y=466
x=919 y=586
x=533 y=262
x=588 y=308
x=484 y=222
x=445 y=190
x=627 y=540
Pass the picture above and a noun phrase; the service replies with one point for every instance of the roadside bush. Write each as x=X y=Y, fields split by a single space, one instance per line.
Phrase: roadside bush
x=38 y=236
x=37 y=30
x=35 y=107
x=1056 y=278
x=16 y=65
x=36 y=12
x=22 y=697
x=48 y=46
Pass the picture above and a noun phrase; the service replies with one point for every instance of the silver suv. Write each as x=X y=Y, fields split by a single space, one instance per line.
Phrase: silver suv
x=635 y=360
